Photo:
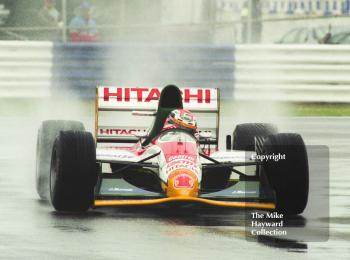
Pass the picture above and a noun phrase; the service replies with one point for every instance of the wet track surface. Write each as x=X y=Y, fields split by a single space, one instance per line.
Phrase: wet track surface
x=31 y=229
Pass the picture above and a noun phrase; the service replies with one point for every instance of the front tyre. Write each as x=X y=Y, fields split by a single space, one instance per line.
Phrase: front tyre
x=47 y=133
x=289 y=177
x=73 y=173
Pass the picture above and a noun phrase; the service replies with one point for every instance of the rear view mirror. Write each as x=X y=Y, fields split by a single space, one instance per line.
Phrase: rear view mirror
x=205 y=134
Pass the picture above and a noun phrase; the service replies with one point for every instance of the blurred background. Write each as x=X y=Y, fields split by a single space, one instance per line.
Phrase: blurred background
x=289 y=51
x=207 y=21
x=195 y=21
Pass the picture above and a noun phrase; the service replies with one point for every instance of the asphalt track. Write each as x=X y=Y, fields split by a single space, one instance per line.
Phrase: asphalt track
x=31 y=229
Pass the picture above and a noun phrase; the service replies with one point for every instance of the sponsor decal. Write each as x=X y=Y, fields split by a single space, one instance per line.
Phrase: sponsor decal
x=114 y=154
x=182 y=156
x=181 y=163
x=183 y=180
x=120 y=131
x=170 y=167
x=244 y=192
x=176 y=162
x=119 y=156
x=148 y=94
x=113 y=189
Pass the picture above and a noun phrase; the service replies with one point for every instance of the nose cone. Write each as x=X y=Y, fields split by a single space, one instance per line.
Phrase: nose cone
x=182 y=183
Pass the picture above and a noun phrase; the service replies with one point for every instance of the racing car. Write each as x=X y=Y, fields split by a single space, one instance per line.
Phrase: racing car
x=176 y=160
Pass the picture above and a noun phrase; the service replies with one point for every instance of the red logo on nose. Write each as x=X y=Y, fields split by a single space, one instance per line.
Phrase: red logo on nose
x=183 y=180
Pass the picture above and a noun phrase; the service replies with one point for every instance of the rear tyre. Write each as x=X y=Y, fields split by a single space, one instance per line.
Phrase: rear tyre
x=73 y=173
x=288 y=177
x=243 y=135
x=46 y=136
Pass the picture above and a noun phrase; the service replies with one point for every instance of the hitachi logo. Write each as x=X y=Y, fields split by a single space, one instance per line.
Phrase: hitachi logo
x=148 y=94
x=116 y=131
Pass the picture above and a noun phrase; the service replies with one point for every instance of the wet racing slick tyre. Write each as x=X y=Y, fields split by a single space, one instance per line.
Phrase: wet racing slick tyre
x=46 y=136
x=288 y=176
x=243 y=135
x=73 y=173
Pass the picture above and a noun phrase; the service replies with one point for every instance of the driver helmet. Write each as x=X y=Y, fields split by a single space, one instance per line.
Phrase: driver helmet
x=181 y=119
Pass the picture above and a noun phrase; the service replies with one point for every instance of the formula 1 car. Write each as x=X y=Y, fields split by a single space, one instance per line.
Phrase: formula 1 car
x=175 y=161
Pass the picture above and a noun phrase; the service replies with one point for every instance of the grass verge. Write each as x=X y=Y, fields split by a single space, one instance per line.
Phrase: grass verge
x=318 y=109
